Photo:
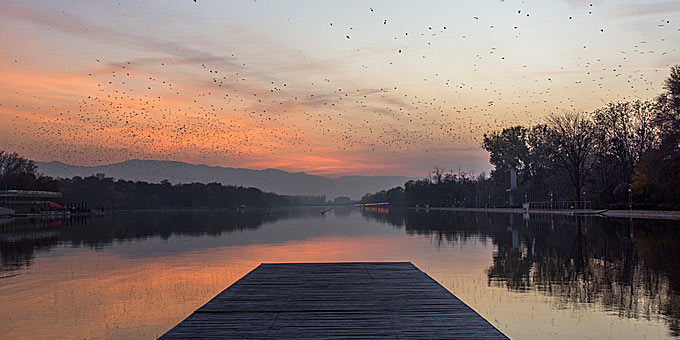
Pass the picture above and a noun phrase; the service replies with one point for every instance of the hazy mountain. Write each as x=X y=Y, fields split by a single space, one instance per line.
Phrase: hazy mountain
x=270 y=180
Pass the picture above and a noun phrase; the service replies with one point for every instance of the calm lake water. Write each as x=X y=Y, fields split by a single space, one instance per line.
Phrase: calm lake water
x=135 y=275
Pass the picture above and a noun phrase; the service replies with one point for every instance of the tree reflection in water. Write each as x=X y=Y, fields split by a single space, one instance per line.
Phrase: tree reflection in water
x=21 y=239
x=627 y=267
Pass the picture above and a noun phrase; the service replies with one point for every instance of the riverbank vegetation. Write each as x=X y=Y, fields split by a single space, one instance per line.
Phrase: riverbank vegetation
x=101 y=192
x=622 y=152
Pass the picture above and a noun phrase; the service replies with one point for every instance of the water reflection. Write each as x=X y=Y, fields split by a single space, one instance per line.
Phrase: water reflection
x=629 y=269
x=20 y=239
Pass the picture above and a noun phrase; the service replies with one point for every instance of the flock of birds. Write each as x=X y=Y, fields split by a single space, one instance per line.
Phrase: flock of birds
x=147 y=109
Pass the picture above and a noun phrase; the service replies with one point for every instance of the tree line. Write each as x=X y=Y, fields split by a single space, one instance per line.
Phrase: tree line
x=101 y=192
x=619 y=152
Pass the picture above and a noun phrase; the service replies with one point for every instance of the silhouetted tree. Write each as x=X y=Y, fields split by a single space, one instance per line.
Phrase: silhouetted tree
x=624 y=132
x=508 y=149
x=571 y=142
x=657 y=178
x=17 y=172
x=672 y=87
x=103 y=192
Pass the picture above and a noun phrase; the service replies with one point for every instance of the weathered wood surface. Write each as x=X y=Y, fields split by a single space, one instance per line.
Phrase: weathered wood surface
x=379 y=300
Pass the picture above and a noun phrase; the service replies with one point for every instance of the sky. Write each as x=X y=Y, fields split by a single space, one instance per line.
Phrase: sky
x=329 y=88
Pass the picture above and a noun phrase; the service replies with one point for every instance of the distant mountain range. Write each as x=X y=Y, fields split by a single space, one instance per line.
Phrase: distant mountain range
x=269 y=180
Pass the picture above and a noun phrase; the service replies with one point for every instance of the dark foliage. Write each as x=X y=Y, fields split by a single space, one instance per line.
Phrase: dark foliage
x=20 y=173
x=101 y=192
x=106 y=193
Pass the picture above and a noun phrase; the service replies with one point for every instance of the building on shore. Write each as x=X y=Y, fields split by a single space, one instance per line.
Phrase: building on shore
x=30 y=201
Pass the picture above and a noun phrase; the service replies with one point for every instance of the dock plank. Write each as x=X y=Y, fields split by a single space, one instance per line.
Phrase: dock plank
x=355 y=300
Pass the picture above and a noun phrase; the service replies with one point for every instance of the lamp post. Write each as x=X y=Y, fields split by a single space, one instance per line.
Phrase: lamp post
x=630 y=198
x=584 y=200
x=630 y=206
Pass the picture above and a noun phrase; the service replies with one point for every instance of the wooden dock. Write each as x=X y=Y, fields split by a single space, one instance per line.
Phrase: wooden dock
x=378 y=300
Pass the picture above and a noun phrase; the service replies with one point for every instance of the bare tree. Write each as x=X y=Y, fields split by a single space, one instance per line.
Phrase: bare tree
x=437 y=174
x=625 y=131
x=571 y=143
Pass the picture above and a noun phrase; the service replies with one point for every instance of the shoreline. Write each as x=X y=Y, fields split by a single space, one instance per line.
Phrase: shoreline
x=637 y=214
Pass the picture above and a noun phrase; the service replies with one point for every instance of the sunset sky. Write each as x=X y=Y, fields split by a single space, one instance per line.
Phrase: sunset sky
x=328 y=88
